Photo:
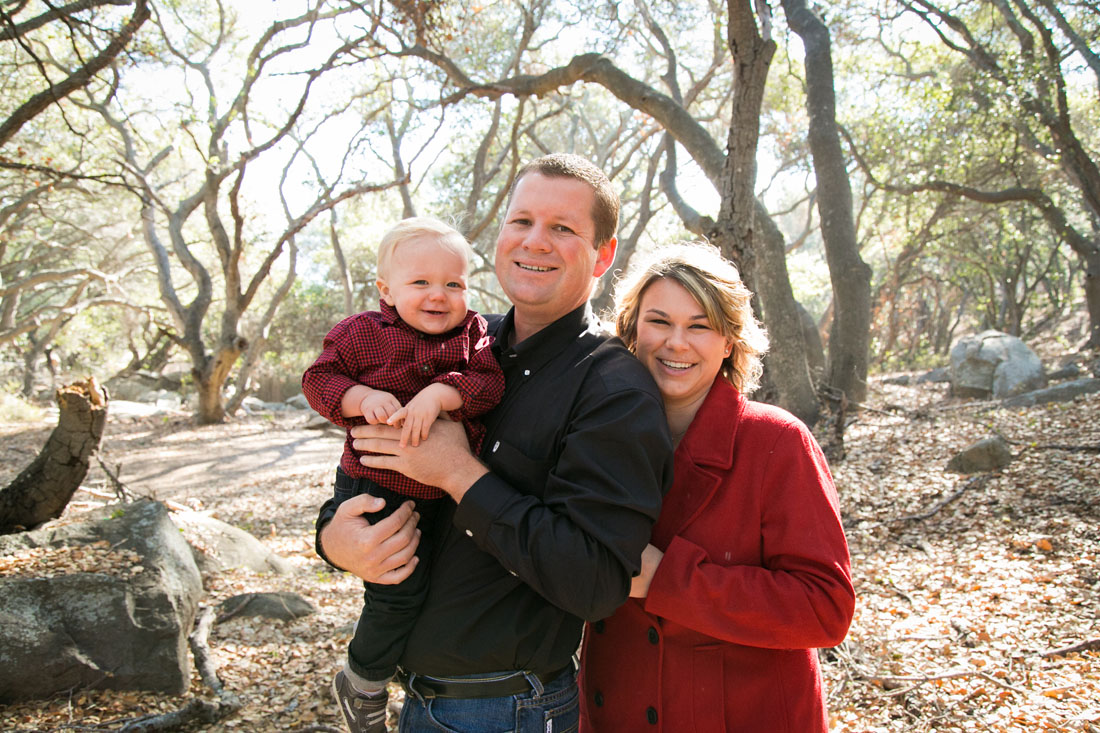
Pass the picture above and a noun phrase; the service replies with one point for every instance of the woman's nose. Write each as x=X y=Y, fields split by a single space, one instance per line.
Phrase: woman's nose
x=676 y=338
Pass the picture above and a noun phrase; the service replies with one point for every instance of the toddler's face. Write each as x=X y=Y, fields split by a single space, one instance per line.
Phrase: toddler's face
x=426 y=283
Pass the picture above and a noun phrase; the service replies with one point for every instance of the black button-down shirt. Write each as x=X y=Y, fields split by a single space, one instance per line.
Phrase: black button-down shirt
x=580 y=456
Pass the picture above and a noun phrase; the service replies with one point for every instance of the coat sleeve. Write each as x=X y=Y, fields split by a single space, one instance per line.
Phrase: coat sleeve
x=481 y=384
x=332 y=373
x=801 y=595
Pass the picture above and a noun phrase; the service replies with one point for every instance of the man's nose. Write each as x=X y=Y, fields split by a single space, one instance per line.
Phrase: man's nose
x=537 y=239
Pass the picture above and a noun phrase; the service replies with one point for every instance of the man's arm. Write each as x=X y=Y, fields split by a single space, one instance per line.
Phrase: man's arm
x=443 y=459
x=581 y=542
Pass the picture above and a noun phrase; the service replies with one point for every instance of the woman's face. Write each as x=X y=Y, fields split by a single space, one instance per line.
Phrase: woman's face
x=677 y=343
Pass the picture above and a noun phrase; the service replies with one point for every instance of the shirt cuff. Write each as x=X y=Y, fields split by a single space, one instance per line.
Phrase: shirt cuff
x=482 y=503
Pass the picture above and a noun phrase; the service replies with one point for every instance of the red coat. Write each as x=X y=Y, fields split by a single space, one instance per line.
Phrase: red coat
x=755 y=576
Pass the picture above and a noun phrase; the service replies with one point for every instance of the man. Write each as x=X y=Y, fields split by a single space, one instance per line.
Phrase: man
x=550 y=523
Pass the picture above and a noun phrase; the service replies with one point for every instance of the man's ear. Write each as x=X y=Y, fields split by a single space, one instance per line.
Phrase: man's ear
x=384 y=291
x=605 y=256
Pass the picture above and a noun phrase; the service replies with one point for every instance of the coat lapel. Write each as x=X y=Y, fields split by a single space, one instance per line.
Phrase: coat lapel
x=702 y=461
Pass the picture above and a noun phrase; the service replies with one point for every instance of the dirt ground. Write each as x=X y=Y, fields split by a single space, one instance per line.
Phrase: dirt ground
x=972 y=590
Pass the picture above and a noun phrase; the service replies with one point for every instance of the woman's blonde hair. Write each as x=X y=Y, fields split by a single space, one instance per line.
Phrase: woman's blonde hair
x=716 y=285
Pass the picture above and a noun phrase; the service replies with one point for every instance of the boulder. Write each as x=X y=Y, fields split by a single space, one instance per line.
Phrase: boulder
x=1058 y=393
x=935 y=376
x=107 y=603
x=280 y=605
x=994 y=363
x=298 y=402
x=1069 y=370
x=988 y=454
x=220 y=546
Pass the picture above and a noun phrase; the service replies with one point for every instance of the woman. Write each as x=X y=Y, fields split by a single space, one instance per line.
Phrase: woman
x=747 y=571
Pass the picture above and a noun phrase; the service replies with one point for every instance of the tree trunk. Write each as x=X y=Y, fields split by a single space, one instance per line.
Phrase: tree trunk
x=211 y=379
x=44 y=488
x=737 y=231
x=786 y=364
x=849 y=341
x=1092 y=297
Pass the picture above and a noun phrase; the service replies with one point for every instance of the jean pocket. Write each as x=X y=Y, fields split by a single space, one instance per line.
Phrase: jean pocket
x=554 y=712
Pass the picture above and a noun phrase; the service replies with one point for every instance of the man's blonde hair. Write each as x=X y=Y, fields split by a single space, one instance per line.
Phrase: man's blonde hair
x=716 y=285
x=417 y=227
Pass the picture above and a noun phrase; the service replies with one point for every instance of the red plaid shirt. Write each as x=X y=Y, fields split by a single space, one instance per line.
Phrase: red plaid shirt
x=381 y=351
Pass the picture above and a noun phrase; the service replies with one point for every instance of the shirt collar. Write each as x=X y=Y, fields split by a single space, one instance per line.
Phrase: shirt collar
x=389 y=313
x=542 y=346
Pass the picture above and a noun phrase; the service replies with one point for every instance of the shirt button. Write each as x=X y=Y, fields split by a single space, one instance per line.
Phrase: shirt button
x=651 y=715
x=653 y=637
x=598 y=699
x=469 y=533
x=425 y=368
x=526 y=372
x=598 y=627
x=495 y=446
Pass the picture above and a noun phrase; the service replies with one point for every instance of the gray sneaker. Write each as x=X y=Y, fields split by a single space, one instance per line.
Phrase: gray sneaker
x=362 y=713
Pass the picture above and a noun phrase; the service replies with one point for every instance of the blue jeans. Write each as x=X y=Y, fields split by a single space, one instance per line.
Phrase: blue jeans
x=556 y=710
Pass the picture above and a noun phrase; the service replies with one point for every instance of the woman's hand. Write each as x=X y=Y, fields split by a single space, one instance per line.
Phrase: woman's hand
x=651 y=558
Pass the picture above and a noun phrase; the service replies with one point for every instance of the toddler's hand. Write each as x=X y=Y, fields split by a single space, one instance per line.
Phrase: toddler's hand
x=416 y=418
x=378 y=406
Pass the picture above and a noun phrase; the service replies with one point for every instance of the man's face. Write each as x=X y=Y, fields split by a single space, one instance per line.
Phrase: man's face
x=546 y=259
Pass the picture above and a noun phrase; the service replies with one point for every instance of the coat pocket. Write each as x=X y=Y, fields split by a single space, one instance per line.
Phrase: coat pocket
x=708 y=708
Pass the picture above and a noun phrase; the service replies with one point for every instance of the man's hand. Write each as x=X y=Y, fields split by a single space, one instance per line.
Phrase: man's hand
x=651 y=558
x=443 y=459
x=377 y=553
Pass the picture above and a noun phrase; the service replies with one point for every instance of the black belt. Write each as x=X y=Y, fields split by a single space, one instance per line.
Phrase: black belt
x=502 y=685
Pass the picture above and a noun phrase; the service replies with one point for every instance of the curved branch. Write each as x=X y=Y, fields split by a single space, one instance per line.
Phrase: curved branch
x=598 y=69
x=78 y=79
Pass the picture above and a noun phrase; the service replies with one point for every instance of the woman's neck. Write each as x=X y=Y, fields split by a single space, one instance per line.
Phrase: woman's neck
x=680 y=417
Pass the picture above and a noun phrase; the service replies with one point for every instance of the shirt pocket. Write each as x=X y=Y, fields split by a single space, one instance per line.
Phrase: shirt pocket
x=524 y=472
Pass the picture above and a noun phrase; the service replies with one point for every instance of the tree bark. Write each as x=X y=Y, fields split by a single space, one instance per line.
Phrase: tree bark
x=849 y=340
x=44 y=488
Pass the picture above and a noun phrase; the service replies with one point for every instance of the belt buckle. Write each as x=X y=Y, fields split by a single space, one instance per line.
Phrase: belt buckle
x=408 y=681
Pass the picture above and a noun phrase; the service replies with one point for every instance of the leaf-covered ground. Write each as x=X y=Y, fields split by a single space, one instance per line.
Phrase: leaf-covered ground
x=970 y=588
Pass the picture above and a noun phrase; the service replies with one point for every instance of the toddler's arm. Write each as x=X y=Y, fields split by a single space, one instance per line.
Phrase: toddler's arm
x=417 y=416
